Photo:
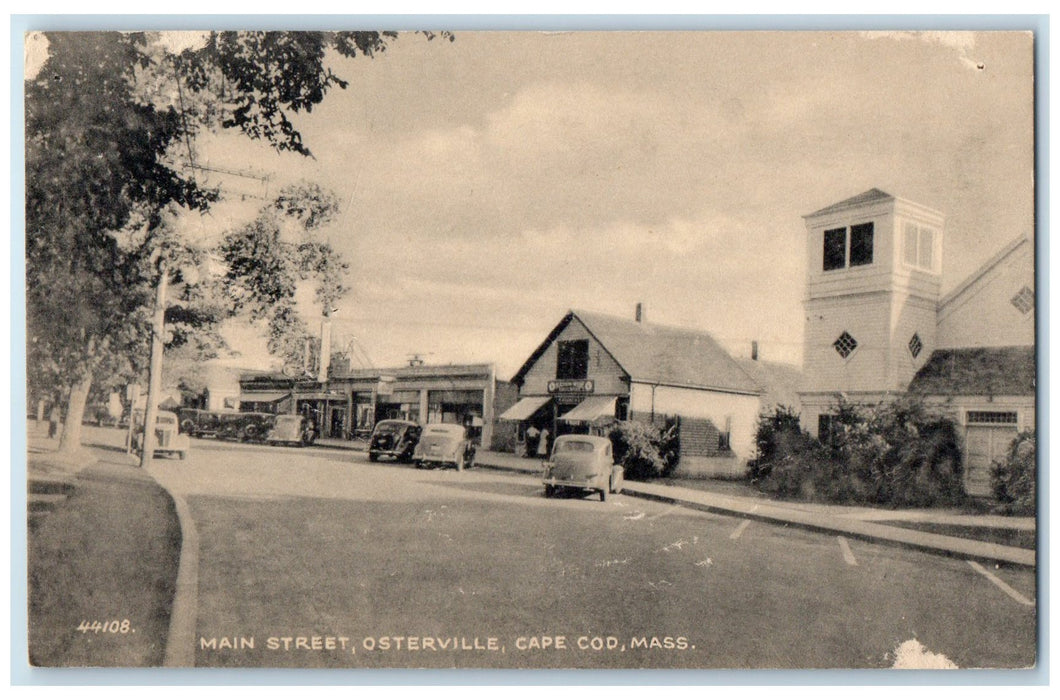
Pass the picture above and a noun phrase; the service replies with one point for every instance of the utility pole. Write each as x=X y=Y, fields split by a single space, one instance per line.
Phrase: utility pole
x=154 y=382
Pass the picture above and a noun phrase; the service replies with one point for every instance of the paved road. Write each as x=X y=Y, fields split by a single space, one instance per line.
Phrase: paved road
x=316 y=558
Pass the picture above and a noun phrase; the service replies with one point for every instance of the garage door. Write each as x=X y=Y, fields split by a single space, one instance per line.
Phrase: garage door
x=987 y=439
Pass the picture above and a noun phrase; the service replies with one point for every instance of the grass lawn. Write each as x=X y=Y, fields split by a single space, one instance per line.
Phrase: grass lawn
x=106 y=555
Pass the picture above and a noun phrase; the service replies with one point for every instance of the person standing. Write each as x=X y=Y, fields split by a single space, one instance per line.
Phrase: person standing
x=542 y=444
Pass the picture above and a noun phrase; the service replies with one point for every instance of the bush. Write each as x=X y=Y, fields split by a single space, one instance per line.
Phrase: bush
x=896 y=454
x=1013 y=479
x=774 y=433
x=643 y=450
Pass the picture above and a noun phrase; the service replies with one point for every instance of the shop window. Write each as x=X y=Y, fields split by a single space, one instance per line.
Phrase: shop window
x=845 y=345
x=573 y=359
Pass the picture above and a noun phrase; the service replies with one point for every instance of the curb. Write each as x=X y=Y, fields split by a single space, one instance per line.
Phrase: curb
x=180 y=641
x=945 y=545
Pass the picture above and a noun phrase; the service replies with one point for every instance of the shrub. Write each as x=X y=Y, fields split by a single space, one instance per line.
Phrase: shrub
x=643 y=450
x=1013 y=479
x=774 y=433
x=896 y=453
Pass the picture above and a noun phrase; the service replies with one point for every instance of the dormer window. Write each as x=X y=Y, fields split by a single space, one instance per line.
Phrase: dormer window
x=842 y=250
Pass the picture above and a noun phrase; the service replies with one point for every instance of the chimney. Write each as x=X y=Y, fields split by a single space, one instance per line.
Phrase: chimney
x=639 y=314
x=754 y=350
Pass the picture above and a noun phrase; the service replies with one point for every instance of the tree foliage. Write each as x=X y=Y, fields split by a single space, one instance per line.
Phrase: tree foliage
x=111 y=119
x=267 y=258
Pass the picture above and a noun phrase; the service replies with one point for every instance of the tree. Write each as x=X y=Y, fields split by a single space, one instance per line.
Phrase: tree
x=267 y=258
x=111 y=120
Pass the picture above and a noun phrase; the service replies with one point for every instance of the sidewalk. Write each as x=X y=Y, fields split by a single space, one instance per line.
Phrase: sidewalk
x=853 y=521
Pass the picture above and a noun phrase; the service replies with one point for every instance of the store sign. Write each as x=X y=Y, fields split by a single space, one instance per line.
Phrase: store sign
x=570 y=386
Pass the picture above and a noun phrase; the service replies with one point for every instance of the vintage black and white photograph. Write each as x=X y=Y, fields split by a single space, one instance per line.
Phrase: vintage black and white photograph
x=570 y=349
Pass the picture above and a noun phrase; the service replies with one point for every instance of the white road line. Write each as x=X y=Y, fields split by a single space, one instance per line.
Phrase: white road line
x=1012 y=592
x=844 y=547
x=739 y=529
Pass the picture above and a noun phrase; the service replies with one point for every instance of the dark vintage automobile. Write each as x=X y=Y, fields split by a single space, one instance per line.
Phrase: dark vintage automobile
x=583 y=463
x=443 y=444
x=291 y=430
x=395 y=439
x=226 y=424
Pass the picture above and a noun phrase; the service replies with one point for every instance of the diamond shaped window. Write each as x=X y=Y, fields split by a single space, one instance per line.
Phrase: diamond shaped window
x=845 y=344
x=1024 y=300
x=915 y=345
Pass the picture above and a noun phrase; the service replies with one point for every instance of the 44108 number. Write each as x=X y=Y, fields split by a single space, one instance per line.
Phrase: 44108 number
x=106 y=627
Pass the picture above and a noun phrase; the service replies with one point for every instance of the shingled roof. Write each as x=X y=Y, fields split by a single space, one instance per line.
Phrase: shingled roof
x=657 y=354
x=1007 y=371
x=873 y=195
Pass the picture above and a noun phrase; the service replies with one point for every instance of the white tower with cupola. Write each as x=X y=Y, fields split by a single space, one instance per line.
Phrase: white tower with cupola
x=872 y=290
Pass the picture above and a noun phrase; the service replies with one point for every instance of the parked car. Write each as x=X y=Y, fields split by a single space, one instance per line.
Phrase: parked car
x=445 y=443
x=170 y=441
x=395 y=439
x=583 y=463
x=292 y=430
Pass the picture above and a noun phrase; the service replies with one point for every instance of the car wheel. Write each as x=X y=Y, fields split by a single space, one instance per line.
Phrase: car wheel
x=460 y=463
x=372 y=457
x=603 y=495
x=550 y=491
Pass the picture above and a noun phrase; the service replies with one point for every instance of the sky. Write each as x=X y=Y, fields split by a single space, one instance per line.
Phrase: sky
x=491 y=183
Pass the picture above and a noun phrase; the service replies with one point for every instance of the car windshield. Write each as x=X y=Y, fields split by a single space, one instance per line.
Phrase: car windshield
x=444 y=430
x=388 y=428
x=574 y=446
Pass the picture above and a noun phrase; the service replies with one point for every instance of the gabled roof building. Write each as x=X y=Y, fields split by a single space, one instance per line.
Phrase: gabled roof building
x=593 y=368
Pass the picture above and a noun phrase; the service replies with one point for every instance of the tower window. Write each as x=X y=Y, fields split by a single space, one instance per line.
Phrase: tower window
x=915 y=345
x=919 y=246
x=861 y=244
x=841 y=251
x=845 y=344
x=835 y=249
x=1024 y=300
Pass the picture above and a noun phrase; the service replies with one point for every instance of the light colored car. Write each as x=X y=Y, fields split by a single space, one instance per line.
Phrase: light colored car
x=170 y=441
x=292 y=430
x=444 y=443
x=583 y=463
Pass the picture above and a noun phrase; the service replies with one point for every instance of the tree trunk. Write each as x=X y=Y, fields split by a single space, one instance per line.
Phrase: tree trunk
x=75 y=413
x=154 y=380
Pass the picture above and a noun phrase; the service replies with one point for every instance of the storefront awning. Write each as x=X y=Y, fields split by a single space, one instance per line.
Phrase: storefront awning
x=591 y=409
x=263 y=397
x=525 y=408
